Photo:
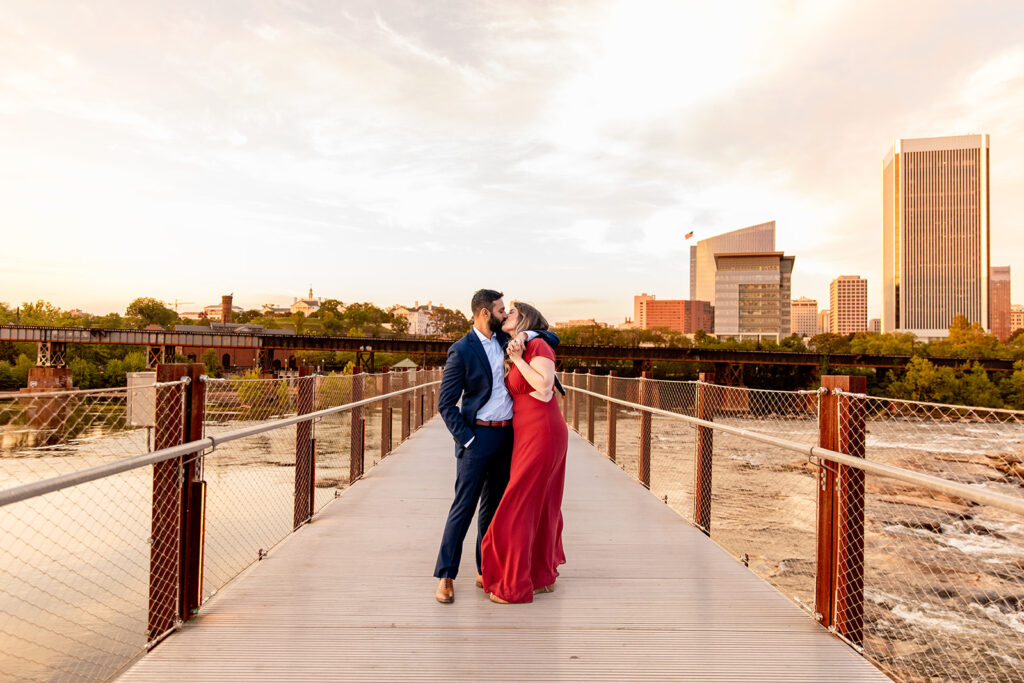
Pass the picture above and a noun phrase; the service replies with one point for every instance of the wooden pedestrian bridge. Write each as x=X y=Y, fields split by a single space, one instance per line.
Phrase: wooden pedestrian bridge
x=286 y=530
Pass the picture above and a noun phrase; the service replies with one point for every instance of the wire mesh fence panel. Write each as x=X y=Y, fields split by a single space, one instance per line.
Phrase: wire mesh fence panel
x=250 y=502
x=333 y=440
x=237 y=403
x=672 y=463
x=75 y=563
x=74 y=580
x=942 y=577
x=943 y=586
x=971 y=445
x=44 y=434
x=675 y=397
x=790 y=415
x=764 y=510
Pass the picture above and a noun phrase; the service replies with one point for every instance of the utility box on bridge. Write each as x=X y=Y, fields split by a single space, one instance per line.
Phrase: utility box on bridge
x=142 y=399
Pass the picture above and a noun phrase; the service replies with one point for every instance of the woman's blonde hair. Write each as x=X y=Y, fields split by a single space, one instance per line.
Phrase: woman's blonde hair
x=529 y=318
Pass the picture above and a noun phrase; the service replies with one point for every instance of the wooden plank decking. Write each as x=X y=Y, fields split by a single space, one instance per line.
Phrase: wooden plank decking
x=644 y=596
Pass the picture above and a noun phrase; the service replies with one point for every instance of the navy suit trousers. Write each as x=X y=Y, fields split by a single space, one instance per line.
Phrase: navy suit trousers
x=481 y=477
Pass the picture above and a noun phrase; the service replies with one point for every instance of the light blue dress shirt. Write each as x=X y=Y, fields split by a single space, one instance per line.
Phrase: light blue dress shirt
x=499 y=405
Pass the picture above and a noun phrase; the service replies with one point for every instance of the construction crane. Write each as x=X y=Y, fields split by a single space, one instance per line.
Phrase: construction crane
x=179 y=303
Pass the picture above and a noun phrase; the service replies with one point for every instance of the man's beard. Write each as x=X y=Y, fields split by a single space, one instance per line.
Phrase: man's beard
x=495 y=324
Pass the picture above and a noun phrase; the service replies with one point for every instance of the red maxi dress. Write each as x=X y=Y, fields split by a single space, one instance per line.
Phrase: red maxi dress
x=523 y=546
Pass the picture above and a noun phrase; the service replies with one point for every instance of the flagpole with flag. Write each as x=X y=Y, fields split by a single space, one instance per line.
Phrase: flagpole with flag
x=688 y=235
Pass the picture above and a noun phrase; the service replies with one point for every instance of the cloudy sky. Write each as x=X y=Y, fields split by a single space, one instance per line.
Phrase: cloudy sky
x=401 y=150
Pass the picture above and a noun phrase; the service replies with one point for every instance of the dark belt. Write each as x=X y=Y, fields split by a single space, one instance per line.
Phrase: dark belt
x=494 y=423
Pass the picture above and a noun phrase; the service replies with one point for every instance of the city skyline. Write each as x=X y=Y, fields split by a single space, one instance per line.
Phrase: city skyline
x=388 y=154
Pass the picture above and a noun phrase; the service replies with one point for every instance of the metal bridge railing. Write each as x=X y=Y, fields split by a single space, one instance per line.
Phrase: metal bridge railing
x=106 y=548
x=898 y=525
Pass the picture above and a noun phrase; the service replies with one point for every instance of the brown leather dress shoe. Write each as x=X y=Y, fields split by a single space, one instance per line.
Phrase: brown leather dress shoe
x=445 y=591
x=480 y=580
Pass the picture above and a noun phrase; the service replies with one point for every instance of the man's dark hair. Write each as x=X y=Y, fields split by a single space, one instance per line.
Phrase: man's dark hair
x=483 y=298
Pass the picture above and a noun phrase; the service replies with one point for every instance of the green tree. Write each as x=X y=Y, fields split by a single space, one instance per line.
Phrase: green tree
x=922 y=381
x=7 y=314
x=247 y=316
x=299 y=321
x=965 y=340
x=365 y=319
x=110 y=321
x=84 y=374
x=976 y=389
x=149 y=311
x=1012 y=387
x=44 y=313
x=332 y=306
x=887 y=344
x=212 y=363
x=20 y=370
x=792 y=343
x=448 y=323
x=399 y=324
x=829 y=343
x=7 y=381
x=115 y=374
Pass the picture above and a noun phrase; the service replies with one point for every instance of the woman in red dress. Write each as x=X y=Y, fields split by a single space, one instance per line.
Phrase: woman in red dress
x=523 y=546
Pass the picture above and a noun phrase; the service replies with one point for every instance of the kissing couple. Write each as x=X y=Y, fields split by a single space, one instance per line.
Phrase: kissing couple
x=510 y=446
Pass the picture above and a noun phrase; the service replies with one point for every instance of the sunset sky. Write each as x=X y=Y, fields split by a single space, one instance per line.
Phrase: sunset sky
x=403 y=150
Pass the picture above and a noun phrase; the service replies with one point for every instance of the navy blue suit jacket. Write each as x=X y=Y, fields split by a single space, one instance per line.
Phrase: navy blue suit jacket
x=467 y=375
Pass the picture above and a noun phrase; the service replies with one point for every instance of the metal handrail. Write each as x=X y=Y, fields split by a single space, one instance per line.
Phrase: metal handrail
x=968 y=491
x=39 y=488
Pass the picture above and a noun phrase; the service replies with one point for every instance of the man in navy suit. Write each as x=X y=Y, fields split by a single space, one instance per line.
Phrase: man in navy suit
x=482 y=429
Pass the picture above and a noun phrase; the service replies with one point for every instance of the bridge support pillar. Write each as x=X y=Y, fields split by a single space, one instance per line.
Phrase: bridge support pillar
x=305 y=449
x=48 y=415
x=51 y=354
x=642 y=366
x=704 y=453
x=264 y=359
x=839 y=588
x=364 y=358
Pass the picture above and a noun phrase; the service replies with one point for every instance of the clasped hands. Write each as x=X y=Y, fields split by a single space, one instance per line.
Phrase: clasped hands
x=515 y=348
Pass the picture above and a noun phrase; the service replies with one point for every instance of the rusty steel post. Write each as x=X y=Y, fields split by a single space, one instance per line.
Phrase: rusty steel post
x=179 y=496
x=590 y=407
x=824 y=586
x=385 y=413
x=849 y=511
x=567 y=398
x=305 y=459
x=646 y=399
x=704 y=454
x=421 y=396
x=576 y=401
x=612 y=413
x=839 y=585
x=406 y=408
x=356 y=447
